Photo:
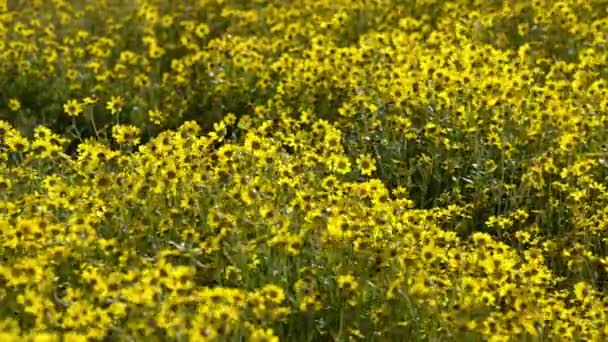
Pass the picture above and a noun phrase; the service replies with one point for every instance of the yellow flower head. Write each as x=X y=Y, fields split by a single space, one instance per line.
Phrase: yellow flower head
x=263 y=335
x=366 y=164
x=72 y=108
x=347 y=283
x=14 y=105
x=115 y=104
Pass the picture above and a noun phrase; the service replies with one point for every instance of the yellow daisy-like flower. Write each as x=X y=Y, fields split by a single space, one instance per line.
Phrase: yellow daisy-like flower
x=126 y=134
x=366 y=164
x=17 y=143
x=266 y=335
x=202 y=30
x=115 y=104
x=155 y=51
x=582 y=292
x=5 y=184
x=348 y=284
x=339 y=164
x=14 y=105
x=72 y=108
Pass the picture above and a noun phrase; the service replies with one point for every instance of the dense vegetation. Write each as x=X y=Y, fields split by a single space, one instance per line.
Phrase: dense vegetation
x=314 y=170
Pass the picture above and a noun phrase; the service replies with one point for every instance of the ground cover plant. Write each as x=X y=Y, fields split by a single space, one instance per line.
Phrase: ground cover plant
x=315 y=170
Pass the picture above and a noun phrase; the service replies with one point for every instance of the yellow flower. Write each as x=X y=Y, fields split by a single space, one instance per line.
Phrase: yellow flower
x=155 y=51
x=329 y=183
x=582 y=292
x=14 y=105
x=114 y=105
x=17 y=142
x=156 y=116
x=338 y=227
x=5 y=184
x=273 y=293
x=71 y=74
x=348 y=284
x=339 y=164
x=470 y=286
x=232 y=273
x=253 y=142
x=263 y=335
x=72 y=108
x=366 y=164
x=311 y=303
x=124 y=134
x=202 y=30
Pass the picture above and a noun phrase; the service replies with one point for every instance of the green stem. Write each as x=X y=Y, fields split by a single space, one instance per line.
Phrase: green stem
x=341 y=327
x=92 y=120
x=75 y=129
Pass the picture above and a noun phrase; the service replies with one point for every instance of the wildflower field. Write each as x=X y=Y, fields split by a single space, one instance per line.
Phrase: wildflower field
x=313 y=170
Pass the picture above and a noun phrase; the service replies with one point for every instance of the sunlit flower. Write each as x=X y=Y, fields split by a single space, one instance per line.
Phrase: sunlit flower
x=366 y=164
x=263 y=335
x=347 y=284
x=115 y=104
x=14 y=105
x=72 y=108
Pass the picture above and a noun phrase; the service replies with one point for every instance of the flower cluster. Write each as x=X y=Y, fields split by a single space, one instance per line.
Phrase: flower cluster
x=307 y=170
